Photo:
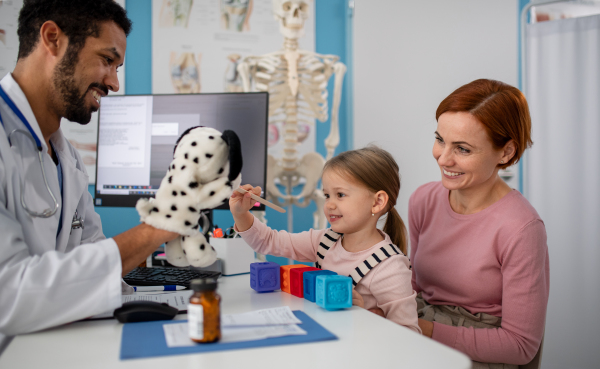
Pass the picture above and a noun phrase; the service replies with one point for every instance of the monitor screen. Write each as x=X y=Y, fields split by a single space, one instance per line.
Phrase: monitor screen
x=137 y=134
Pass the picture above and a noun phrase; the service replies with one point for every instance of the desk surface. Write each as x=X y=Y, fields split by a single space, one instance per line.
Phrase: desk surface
x=365 y=341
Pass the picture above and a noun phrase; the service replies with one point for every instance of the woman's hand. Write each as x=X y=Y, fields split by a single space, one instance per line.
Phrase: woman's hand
x=426 y=327
x=240 y=205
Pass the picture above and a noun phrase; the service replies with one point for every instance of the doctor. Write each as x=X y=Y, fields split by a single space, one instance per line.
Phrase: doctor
x=52 y=269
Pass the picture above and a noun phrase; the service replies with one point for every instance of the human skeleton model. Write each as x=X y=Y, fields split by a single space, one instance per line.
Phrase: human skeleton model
x=235 y=14
x=297 y=84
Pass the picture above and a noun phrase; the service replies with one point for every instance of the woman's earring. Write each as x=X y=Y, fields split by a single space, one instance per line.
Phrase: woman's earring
x=501 y=161
x=372 y=214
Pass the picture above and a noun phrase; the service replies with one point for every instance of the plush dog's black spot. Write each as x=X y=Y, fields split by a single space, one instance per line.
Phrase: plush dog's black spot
x=173 y=166
x=212 y=248
x=209 y=155
x=187 y=223
x=183 y=193
x=183 y=167
x=202 y=247
x=193 y=184
x=212 y=193
x=154 y=209
x=229 y=184
x=182 y=238
x=194 y=143
x=193 y=210
x=195 y=227
x=173 y=207
x=174 y=193
x=221 y=170
x=211 y=137
x=184 y=252
x=168 y=215
x=196 y=160
x=170 y=179
x=186 y=155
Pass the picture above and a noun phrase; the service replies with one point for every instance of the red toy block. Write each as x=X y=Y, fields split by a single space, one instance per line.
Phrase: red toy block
x=297 y=280
x=285 y=275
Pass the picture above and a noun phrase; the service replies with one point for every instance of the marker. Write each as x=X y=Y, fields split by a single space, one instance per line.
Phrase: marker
x=158 y=288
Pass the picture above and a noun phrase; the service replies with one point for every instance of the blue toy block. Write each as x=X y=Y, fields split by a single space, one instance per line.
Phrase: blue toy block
x=334 y=292
x=264 y=277
x=310 y=281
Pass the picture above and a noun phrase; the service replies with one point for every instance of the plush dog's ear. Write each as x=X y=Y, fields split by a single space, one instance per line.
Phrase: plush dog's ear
x=182 y=135
x=235 y=153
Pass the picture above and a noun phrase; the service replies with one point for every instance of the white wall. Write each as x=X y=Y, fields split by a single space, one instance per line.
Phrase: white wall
x=409 y=55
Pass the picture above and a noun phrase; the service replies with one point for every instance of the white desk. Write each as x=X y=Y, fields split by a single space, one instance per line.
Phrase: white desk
x=365 y=341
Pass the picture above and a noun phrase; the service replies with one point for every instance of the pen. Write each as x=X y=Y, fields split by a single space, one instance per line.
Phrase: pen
x=158 y=288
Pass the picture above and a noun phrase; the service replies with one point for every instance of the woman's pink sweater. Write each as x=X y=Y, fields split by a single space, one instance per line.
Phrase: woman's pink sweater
x=387 y=286
x=494 y=261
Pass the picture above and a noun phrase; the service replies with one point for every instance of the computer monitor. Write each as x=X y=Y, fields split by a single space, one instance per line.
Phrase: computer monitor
x=137 y=134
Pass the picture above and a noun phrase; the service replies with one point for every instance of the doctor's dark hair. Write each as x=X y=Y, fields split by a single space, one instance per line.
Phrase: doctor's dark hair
x=377 y=170
x=78 y=19
x=500 y=107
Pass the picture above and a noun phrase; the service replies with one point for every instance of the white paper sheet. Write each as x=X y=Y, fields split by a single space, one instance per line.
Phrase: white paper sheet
x=177 y=334
x=276 y=316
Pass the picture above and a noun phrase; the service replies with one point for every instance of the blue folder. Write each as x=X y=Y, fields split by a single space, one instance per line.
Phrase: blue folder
x=147 y=339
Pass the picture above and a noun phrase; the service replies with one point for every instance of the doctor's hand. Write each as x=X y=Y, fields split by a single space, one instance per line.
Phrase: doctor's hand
x=240 y=205
x=137 y=243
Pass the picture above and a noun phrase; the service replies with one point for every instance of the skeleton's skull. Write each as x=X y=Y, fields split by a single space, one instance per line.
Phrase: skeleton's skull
x=291 y=15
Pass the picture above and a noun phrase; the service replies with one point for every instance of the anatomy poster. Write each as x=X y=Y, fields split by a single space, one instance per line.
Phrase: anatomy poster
x=197 y=45
x=9 y=42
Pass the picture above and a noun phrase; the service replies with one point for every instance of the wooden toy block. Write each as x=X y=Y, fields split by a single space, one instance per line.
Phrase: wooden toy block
x=334 y=292
x=309 y=281
x=285 y=275
x=297 y=281
x=264 y=277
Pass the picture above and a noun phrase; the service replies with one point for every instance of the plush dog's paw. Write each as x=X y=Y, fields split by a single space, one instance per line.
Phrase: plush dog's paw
x=198 y=251
x=175 y=254
x=144 y=208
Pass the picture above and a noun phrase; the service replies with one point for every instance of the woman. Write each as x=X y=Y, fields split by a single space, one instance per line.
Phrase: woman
x=478 y=248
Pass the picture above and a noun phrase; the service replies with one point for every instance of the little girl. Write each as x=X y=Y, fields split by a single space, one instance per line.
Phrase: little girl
x=359 y=187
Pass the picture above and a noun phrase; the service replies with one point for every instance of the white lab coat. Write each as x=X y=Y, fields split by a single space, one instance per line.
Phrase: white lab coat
x=48 y=279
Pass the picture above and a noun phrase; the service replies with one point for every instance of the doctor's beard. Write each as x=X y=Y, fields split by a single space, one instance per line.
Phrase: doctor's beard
x=73 y=103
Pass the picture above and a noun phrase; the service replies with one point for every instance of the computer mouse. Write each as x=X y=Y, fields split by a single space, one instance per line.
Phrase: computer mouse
x=144 y=311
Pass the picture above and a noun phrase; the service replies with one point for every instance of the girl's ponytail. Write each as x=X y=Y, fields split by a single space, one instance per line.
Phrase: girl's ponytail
x=394 y=227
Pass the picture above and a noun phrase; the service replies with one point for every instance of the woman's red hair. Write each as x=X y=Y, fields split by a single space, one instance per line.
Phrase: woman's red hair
x=501 y=108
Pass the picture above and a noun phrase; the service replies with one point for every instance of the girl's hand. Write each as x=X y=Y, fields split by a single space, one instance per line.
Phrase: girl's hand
x=240 y=205
x=357 y=299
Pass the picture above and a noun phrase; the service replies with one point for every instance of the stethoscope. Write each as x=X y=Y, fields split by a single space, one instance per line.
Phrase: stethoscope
x=47 y=213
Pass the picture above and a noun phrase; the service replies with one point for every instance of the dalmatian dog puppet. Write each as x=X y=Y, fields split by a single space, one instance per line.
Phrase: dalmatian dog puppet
x=205 y=169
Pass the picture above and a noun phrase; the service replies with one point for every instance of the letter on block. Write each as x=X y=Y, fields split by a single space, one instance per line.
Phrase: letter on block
x=297 y=281
x=285 y=275
x=334 y=292
x=264 y=277
x=309 y=281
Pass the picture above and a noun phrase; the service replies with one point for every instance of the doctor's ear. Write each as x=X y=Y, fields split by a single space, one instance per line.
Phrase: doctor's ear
x=53 y=39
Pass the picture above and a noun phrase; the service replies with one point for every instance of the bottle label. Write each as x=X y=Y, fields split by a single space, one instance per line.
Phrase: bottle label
x=195 y=315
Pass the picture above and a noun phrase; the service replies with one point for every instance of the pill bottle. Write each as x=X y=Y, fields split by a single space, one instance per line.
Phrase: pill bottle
x=204 y=311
